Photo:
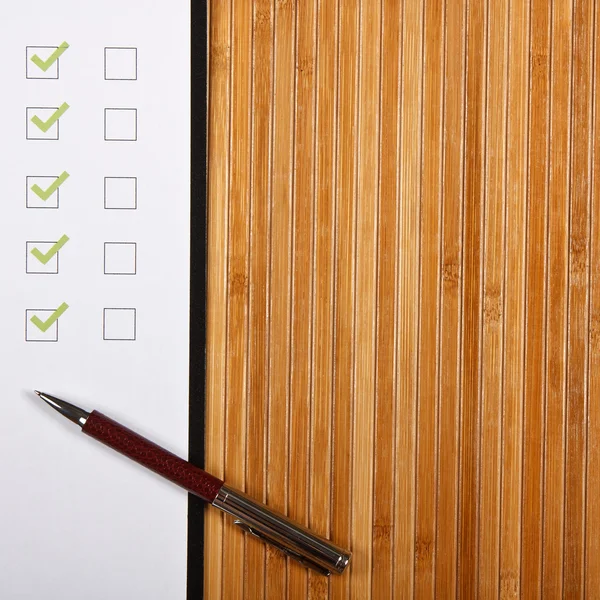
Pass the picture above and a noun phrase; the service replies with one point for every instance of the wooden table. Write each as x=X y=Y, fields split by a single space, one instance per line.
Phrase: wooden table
x=404 y=293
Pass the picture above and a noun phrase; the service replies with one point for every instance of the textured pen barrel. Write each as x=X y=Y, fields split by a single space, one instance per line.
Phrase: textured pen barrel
x=155 y=458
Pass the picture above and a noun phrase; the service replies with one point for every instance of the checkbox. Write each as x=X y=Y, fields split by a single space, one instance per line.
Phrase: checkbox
x=119 y=324
x=34 y=333
x=44 y=113
x=41 y=184
x=43 y=53
x=120 y=258
x=120 y=124
x=120 y=64
x=33 y=266
x=120 y=193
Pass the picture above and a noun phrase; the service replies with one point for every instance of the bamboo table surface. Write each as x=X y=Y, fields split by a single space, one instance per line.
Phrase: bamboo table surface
x=404 y=293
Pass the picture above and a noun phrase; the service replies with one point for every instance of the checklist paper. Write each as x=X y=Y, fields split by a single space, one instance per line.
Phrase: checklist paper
x=94 y=293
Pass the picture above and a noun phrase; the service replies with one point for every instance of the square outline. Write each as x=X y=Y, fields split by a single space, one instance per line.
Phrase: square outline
x=134 y=244
x=121 y=48
x=27 y=320
x=27 y=121
x=27 y=61
x=28 y=189
x=28 y=252
x=121 y=207
x=120 y=139
x=104 y=338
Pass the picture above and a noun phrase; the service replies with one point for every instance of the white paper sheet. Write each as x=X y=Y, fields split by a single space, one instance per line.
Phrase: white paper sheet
x=102 y=252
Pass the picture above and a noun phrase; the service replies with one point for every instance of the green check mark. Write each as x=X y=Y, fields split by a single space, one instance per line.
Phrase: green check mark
x=44 y=65
x=43 y=326
x=57 y=114
x=45 y=194
x=45 y=258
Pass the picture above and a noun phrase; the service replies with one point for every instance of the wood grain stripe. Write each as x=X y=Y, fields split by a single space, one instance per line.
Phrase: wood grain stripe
x=556 y=324
x=428 y=367
x=345 y=255
x=323 y=243
x=408 y=295
x=280 y=268
x=493 y=302
x=450 y=330
x=535 y=333
x=387 y=252
x=259 y=280
x=365 y=305
x=472 y=281
x=577 y=354
x=238 y=293
x=302 y=251
x=218 y=232
x=592 y=551
x=515 y=289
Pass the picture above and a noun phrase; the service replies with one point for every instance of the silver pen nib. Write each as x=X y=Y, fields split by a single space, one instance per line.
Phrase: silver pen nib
x=66 y=409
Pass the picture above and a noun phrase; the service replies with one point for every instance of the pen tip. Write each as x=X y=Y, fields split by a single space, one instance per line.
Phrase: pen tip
x=66 y=409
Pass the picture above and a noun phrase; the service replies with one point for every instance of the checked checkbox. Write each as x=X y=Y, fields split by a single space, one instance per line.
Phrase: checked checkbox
x=42 y=62
x=41 y=324
x=43 y=191
x=42 y=257
x=43 y=122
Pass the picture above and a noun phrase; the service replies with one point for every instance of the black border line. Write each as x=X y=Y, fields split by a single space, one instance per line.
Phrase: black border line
x=198 y=276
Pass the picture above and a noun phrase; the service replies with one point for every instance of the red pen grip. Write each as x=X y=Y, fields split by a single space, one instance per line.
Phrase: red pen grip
x=155 y=458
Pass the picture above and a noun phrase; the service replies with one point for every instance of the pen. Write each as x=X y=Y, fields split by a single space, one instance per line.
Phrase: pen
x=253 y=517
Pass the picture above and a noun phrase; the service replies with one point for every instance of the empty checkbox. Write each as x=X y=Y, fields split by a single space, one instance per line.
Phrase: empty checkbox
x=120 y=193
x=120 y=64
x=120 y=124
x=119 y=324
x=33 y=332
x=120 y=258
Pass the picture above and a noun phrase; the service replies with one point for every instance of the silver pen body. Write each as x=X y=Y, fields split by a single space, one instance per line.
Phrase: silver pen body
x=274 y=528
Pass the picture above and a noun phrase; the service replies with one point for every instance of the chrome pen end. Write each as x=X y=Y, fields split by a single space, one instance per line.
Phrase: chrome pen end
x=297 y=542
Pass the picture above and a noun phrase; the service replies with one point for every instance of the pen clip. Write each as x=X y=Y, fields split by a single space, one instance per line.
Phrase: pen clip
x=287 y=551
